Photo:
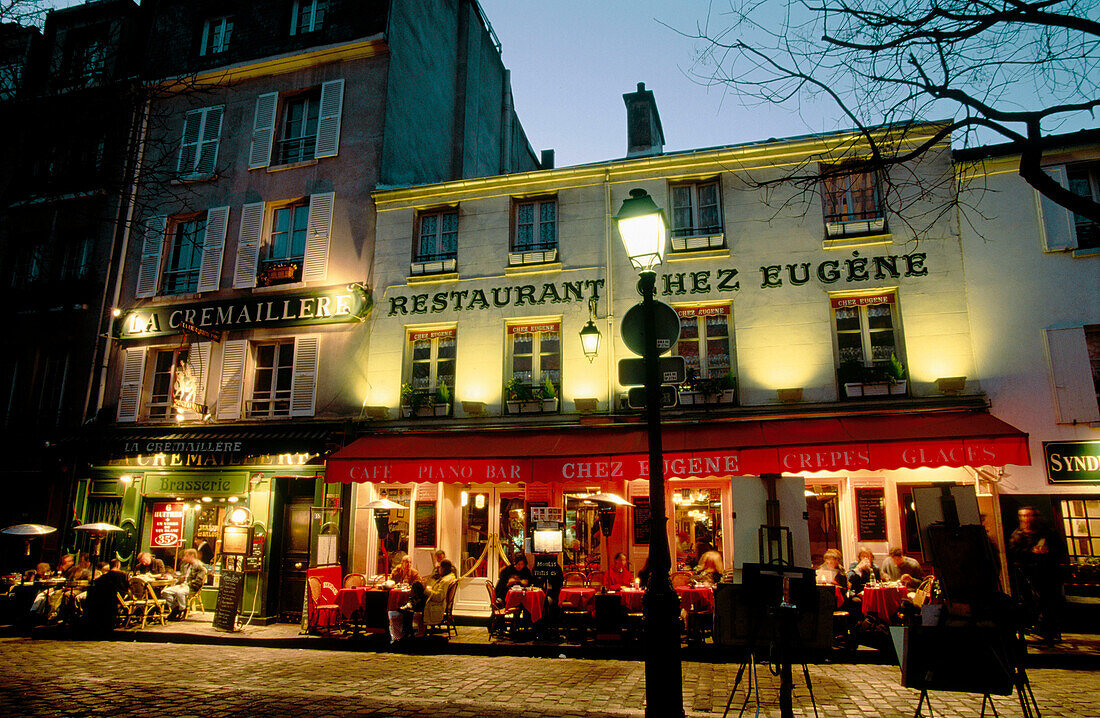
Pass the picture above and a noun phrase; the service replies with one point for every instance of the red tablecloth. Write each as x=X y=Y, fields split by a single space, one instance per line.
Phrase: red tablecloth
x=578 y=598
x=884 y=601
x=350 y=600
x=839 y=596
x=632 y=599
x=700 y=598
x=531 y=599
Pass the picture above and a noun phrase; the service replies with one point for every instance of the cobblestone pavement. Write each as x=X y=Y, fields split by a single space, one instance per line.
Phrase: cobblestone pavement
x=71 y=678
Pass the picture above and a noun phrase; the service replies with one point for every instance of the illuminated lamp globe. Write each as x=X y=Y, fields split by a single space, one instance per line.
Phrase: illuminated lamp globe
x=590 y=340
x=643 y=227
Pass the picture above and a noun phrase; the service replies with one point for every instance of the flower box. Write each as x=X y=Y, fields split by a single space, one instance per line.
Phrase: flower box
x=425 y=410
x=858 y=389
x=532 y=406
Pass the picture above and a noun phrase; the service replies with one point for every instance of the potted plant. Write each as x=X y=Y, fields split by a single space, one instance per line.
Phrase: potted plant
x=412 y=400
x=517 y=395
x=442 y=403
x=549 y=396
x=689 y=393
x=895 y=371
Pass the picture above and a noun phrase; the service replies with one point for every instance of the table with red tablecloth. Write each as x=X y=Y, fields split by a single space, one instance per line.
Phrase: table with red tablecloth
x=632 y=599
x=578 y=598
x=530 y=599
x=696 y=598
x=351 y=601
x=883 y=601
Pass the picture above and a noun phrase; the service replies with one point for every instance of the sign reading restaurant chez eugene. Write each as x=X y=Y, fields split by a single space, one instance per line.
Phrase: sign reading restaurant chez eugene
x=327 y=306
x=1072 y=461
x=673 y=284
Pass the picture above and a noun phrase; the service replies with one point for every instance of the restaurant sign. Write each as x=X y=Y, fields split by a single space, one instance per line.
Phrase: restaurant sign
x=167 y=526
x=335 y=305
x=1072 y=462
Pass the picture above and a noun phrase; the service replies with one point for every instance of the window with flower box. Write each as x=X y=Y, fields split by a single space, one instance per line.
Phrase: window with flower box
x=852 y=202
x=534 y=355
x=696 y=216
x=429 y=389
x=706 y=345
x=436 y=248
x=868 y=352
x=535 y=239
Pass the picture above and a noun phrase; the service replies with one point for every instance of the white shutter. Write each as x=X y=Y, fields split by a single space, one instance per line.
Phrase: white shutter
x=1059 y=232
x=303 y=385
x=208 y=148
x=263 y=130
x=151 y=246
x=328 y=124
x=213 y=249
x=231 y=387
x=248 y=245
x=1071 y=376
x=189 y=145
x=318 y=226
x=129 y=393
x=198 y=356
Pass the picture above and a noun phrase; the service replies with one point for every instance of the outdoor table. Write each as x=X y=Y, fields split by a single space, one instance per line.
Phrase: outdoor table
x=696 y=598
x=632 y=599
x=399 y=595
x=351 y=601
x=884 y=601
x=530 y=599
x=578 y=598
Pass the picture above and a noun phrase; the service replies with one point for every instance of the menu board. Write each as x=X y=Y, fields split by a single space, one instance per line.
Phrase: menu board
x=167 y=529
x=871 y=514
x=424 y=524
x=230 y=591
x=254 y=561
x=641 y=520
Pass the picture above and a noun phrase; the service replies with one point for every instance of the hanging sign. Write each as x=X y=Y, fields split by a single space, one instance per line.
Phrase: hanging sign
x=533 y=328
x=865 y=301
x=720 y=310
x=167 y=530
x=185 y=387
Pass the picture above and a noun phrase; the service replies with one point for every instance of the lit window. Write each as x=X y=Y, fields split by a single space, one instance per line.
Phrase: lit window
x=698 y=515
x=181 y=270
x=1084 y=180
x=867 y=345
x=432 y=360
x=282 y=254
x=696 y=213
x=705 y=341
x=437 y=241
x=535 y=357
x=166 y=363
x=271 y=379
x=852 y=202
x=309 y=16
x=536 y=228
x=298 y=128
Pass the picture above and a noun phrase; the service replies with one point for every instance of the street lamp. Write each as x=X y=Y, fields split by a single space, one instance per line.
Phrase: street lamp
x=642 y=226
x=590 y=333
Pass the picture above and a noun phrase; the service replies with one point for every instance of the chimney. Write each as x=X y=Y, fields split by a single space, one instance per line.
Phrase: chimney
x=547 y=161
x=644 y=136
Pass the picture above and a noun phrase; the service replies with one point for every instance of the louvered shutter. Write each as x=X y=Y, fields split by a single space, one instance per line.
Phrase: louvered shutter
x=263 y=130
x=151 y=246
x=213 y=249
x=129 y=394
x=211 y=134
x=328 y=124
x=189 y=145
x=198 y=356
x=231 y=386
x=1071 y=376
x=1059 y=232
x=318 y=226
x=248 y=245
x=303 y=385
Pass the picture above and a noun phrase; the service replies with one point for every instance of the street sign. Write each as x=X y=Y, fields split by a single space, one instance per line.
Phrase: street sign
x=670 y=370
x=635 y=397
x=665 y=320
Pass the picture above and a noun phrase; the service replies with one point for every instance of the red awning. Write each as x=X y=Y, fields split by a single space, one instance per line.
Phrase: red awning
x=750 y=448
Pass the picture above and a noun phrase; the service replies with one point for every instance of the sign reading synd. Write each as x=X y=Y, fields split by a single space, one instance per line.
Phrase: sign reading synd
x=1072 y=461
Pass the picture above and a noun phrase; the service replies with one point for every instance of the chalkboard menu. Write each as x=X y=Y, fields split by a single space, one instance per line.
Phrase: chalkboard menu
x=230 y=590
x=254 y=560
x=424 y=521
x=641 y=520
x=871 y=514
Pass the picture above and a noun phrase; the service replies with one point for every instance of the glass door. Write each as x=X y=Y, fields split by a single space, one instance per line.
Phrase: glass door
x=493 y=522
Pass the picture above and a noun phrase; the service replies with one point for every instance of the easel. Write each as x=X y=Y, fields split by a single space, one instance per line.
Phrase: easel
x=1028 y=706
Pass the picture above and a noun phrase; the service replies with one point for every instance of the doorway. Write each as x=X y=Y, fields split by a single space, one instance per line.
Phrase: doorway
x=492 y=517
x=294 y=547
x=823 y=510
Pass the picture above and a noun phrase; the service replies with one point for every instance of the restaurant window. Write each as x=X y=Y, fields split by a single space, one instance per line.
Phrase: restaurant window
x=865 y=330
x=432 y=362
x=823 y=508
x=1084 y=180
x=697 y=513
x=393 y=529
x=436 y=247
x=696 y=215
x=583 y=539
x=535 y=235
x=534 y=355
x=273 y=368
x=184 y=255
x=216 y=33
x=852 y=202
x=308 y=16
x=705 y=345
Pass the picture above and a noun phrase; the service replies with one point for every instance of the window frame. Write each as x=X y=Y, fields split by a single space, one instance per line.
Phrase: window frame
x=277 y=396
x=867 y=370
x=434 y=337
x=280 y=154
x=701 y=314
x=1091 y=233
x=225 y=28
x=175 y=223
x=537 y=329
x=298 y=11
x=850 y=223
x=151 y=408
x=272 y=271
x=696 y=236
x=535 y=252
x=441 y=261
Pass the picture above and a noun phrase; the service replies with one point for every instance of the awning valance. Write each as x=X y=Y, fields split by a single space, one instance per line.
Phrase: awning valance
x=788 y=446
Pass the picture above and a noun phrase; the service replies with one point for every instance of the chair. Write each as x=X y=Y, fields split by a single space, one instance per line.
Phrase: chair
x=680 y=579
x=155 y=608
x=138 y=599
x=194 y=600
x=321 y=615
x=574 y=578
x=924 y=591
x=448 y=622
x=500 y=618
x=126 y=609
x=596 y=580
x=355 y=580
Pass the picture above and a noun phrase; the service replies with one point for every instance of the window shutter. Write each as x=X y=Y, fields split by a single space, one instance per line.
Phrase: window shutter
x=189 y=145
x=208 y=148
x=149 y=268
x=263 y=130
x=318 y=226
x=303 y=386
x=231 y=388
x=328 y=125
x=198 y=355
x=248 y=245
x=213 y=249
x=1059 y=232
x=1071 y=376
x=129 y=394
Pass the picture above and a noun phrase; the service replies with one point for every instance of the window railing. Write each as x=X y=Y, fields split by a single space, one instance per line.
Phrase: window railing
x=295 y=150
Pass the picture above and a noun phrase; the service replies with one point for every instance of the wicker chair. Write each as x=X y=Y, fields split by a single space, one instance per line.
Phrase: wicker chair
x=500 y=618
x=575 y=578
x=323 y=616
x=355 y=580
x=680 y=579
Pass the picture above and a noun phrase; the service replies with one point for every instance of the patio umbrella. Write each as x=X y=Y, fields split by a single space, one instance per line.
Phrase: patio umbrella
x=97 y=532
x=382 y=519
x=28 y=532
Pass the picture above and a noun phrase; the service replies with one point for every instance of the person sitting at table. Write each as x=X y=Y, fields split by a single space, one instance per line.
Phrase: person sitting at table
x=643 y=574
x=899 y=567
x=829 y=572
x=619 y=576
x=435 y=595
x=405 y=573
x=189 y=581
x=515 y=575
x=708 y=568
x=863 y=570
x=63 y=566
x=144 y=563
x=437 y=557
x=157 y=568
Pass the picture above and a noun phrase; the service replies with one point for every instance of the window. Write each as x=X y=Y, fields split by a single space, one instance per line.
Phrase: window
x=282 y=254
x=76 y=259
x=705 y=341
x=852 y=203
x=696 y=216
x=53 y=375
x=436 y=247
x=271 y=379
x=1081 y=520
x=536 y=231
x=164 y=367
x=285 y=242
x=1092 y=345
x=1084 y=180
x=86 y=56
x=216 y=33
x=177 y=385
x=535 y=357
x=866 y=341
x=432 y=360
x=11 y=77
x=1074 y=356
x=298 y=128
x=199 y=146
x=308 y=16
x=698 y=517
x=181 y=268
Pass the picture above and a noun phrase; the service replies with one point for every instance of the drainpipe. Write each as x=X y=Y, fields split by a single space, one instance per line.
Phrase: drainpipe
x=609 y=293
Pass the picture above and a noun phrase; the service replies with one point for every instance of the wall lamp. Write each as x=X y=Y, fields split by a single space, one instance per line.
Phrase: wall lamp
x=590 y=333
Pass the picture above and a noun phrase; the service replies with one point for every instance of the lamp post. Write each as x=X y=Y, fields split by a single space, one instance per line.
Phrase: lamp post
x=642 y=226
